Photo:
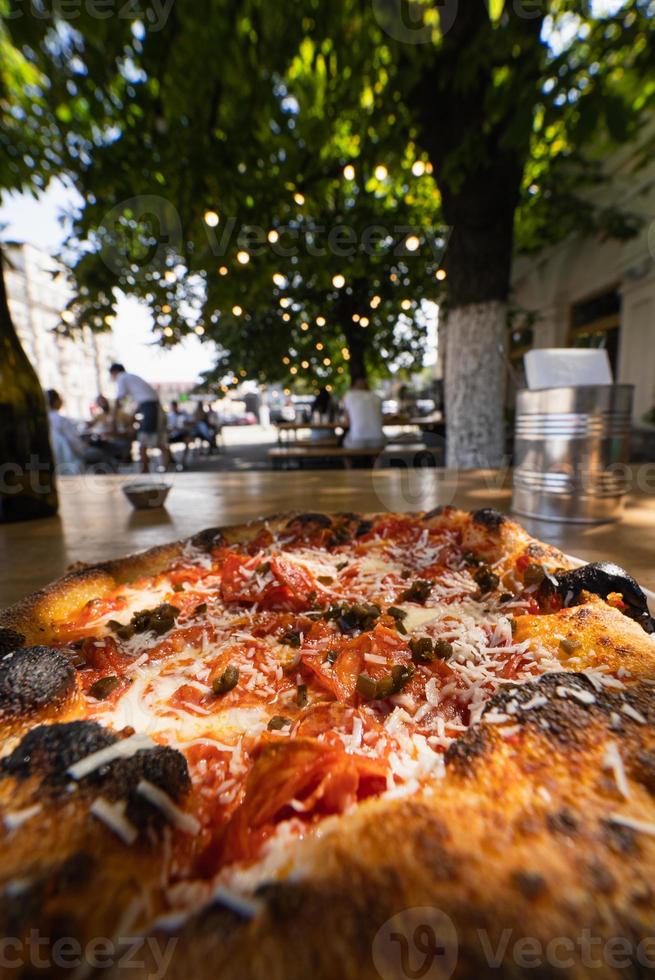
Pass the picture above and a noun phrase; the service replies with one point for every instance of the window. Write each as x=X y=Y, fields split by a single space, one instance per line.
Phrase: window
x=596 y=322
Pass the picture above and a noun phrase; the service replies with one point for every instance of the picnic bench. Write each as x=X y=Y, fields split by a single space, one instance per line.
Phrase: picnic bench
x=296 y=456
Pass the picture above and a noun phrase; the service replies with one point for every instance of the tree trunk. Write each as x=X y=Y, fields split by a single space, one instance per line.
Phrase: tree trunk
x=356 y=337
x=475 y=386
x=478 y=147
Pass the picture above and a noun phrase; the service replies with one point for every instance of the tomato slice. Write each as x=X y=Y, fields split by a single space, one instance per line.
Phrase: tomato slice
x=303 y=778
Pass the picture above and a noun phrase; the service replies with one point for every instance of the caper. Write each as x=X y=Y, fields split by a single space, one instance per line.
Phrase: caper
x=102 y=688
x=277 y=723
x=227 y=681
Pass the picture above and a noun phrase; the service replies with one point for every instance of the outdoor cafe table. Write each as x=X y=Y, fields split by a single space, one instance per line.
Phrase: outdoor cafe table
x=96 y=522
x=291 y=429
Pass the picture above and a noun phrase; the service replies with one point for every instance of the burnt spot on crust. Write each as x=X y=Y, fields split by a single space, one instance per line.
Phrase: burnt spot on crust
x=531 y=884
x=363 y=527
x=466 y=750
x=163 y=766
x=436 y=512
x=565 y=705
x=563 y=822
x=619 y=838
x=49 y=750
x=600 y=578
x=32 y=678
x=489 y=518
x=643 y=770
x=75 y=872
x=212 y=537
x=320 y=520
x=10 y=640
x=601 y=878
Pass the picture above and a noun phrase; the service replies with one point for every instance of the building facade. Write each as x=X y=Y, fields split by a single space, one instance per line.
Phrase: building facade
x=591 y=293
x=38 y=291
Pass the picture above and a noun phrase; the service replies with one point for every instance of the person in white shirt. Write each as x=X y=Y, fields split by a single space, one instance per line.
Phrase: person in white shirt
x=72 y=454
x=150 y=416
x=363 y=409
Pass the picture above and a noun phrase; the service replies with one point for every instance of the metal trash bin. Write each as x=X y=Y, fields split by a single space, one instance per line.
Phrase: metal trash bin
x=571 y=452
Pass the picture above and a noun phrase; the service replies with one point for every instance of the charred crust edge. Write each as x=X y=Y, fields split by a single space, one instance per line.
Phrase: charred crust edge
x=488 y=517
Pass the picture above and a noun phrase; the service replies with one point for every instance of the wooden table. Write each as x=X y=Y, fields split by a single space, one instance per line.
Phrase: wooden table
x=96 y=521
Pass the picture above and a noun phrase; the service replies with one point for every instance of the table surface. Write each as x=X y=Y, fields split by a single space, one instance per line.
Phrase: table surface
x=96 y=522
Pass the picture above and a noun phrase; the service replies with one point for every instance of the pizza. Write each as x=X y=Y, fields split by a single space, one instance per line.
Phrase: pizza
x=331 y=746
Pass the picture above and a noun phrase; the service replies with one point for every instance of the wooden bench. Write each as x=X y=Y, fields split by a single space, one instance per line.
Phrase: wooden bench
x=285 y=457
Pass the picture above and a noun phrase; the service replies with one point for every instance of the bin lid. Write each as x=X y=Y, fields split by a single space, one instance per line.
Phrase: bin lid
x=567 y=367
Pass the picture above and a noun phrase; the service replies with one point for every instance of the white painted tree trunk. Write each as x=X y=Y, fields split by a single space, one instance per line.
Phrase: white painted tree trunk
x=475 y=386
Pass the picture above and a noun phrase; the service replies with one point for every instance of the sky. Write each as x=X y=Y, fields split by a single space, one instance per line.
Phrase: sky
x=38 y=222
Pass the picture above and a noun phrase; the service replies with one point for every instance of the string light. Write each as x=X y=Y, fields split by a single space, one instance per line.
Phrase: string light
x=406 y=304
x=293 y=370
x=418 y=168
x=286 y=317
x=319 y=346
x=338 y=281
x=211 y=219
x=413 y=243
x=110 y=320
x=328 y=387
x=287 y=391
x=68 y=316
x=286 y=360
x=279 y=280
x=393 y=277
x=320 y=321
x=243 y=258
x=237 y=311
x=200 y=330
x=364 y=322
x=305 y=365
x=441 y=274
x=375 y=302
x=168 y=331
x=349 y=172
x=304 y=325
x=355 y=317
x=223 y=271
x=381 y=172
x=299 y=199
x=166 y=308
x=170 y=276
x=327 y=361
x=273 y=236
x=285 y=301
x=345 y=353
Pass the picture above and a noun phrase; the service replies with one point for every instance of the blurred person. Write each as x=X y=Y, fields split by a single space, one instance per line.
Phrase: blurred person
x=178 y=423
x=71 y=452
x=105 y=432
x=202 y=427
x=323 y=406
x=363 y=412
x=151 y=421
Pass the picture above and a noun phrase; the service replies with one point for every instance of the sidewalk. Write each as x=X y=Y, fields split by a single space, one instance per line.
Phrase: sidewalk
x=246 y=448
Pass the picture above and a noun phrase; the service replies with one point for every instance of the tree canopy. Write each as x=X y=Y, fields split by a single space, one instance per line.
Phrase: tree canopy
x=251 y=114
